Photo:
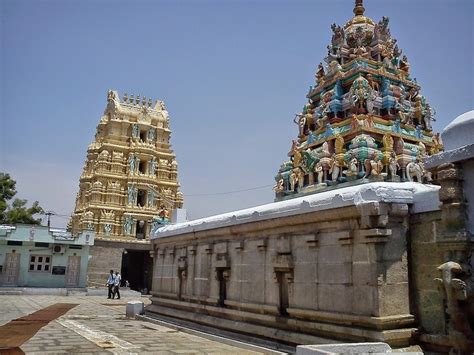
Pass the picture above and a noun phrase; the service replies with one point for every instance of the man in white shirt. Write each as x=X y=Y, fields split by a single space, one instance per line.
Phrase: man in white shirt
x=117 y=280
x=110 y=283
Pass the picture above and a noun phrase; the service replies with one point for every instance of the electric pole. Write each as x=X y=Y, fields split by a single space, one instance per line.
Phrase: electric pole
x=49 y=214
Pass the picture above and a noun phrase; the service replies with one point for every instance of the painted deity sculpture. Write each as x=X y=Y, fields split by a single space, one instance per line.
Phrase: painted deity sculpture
x=318 y=169
x=152 y=167
x=360 y=92
x=393 y=166
x=300 y=120
x=362 y=104
x=279 y=187
x=127 y=225
x=335 y=169
x=293 y=180
x=373 y=167
x=151 y=199
x=151 y=135
x=107 y=228
x=135 y=131
x=132 y=194
x=132 y=163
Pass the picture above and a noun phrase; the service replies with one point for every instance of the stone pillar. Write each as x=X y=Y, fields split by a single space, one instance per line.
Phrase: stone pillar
x=380 y=251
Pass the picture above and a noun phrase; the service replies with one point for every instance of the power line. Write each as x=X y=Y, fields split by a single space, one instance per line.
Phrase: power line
x=54 y=214
x=63 y=217
x=186 y=195
x=230 y=192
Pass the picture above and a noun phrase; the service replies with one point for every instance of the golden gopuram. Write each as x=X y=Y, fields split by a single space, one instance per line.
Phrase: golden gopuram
x=129 y=185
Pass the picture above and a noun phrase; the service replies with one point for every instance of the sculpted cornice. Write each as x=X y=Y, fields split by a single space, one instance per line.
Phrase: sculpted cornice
x=126 y=148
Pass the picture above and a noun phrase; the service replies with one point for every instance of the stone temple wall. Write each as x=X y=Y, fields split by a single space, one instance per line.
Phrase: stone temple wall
x=327 y=272
x=102 y=259
x=425 y=257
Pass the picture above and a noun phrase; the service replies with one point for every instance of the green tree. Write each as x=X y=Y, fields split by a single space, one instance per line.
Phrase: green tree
x=18 y=212
x=7 y=191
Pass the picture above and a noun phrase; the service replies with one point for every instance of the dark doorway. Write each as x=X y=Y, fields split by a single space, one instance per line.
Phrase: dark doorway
x=140 y=231
x=222 y=287
x=283 y=293
x=141 y=199
x=142 y=166
x=182 y=279
x=137 y=268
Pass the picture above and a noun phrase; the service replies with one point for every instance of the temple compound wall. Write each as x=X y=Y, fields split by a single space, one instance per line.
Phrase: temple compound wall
x=325 y=267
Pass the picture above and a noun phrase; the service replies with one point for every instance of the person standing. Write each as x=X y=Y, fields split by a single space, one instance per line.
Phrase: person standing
x=117 y=280
x=110 y=283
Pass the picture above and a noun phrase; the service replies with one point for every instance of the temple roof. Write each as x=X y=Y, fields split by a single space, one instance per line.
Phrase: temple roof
x=423 y=198
x=459 y=132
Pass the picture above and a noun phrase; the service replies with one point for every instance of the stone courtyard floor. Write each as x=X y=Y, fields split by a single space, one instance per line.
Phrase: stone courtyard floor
x=98 y=325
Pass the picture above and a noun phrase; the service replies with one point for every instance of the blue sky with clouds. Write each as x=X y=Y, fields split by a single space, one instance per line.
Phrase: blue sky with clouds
x=232 y=74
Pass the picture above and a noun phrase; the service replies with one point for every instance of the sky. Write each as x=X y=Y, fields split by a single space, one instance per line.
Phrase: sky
x=232 y=74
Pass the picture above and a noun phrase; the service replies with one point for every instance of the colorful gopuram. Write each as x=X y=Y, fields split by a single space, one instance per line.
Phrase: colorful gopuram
x=365 y=118
x=129 y=182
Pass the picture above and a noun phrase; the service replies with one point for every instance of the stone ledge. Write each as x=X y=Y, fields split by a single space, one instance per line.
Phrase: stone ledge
x=373 y=235
x=290 y=330
x=351 y=348
x=450 y=156
x=123 y=243
x=240 y=327
x=370 y=322
x=379 y=323
x=259 y=308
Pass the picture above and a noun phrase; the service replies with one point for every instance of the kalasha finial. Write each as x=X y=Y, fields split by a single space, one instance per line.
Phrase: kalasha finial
x=359 y=7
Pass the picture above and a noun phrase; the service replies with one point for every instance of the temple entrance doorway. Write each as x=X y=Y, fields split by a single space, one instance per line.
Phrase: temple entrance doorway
x=222 y=287
x=182 y=279
x=140 y=229
x=137 y=268
x=282 y=293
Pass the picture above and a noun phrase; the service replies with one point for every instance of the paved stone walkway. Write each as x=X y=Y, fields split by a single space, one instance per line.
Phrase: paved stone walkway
x=98 y=325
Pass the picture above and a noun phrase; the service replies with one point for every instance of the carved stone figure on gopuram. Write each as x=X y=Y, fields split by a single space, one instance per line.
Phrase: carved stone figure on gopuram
x=365 y=119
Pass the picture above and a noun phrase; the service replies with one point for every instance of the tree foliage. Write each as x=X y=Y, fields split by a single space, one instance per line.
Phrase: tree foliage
x=17 y=212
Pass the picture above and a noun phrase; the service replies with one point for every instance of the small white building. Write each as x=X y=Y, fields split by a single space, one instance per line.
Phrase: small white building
x=38 y=256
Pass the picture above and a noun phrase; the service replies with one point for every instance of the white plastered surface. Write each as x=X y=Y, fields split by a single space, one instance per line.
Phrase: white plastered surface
x=423 y=198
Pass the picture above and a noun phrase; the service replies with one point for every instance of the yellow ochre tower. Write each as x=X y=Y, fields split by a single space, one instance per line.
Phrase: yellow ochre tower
x=129 y=182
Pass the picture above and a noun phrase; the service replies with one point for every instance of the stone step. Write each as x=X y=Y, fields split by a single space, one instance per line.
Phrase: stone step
x=103 y=291
x=10 y=292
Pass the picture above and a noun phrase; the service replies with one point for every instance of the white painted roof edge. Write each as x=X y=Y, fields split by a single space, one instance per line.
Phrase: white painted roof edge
x=424 y=198
x=465 y=152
